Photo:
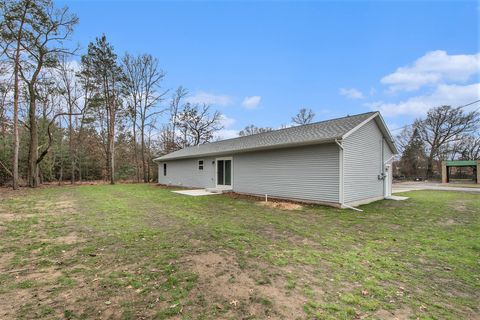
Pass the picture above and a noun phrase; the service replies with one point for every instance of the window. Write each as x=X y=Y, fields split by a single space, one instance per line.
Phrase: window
x=220 y=168
x=164 y=169
x=228 y=172
x=224 y=172
x=200 y=164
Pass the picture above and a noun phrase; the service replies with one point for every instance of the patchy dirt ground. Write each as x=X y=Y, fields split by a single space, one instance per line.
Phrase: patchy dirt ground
x=222 y=282
x=142 y=252
x=281 y=205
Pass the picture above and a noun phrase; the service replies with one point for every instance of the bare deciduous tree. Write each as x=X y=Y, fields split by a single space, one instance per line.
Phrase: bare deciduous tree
x=143 y=79
x=304 y=116
x=175 y=105
x=45 y=31
x=71 y=93
x=197 y=124
x=12 y=26
x=471 y=148
x=403 y=138
x=252 y=129
x=444 y=125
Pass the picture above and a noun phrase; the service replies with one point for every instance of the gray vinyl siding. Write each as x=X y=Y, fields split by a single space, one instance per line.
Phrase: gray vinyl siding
x=363 y=162
x=307 y=173
x=387 y=152
x=185 y=173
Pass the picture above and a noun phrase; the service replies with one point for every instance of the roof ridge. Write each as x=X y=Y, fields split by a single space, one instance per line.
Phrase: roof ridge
x=276 y=130
x=300 y=134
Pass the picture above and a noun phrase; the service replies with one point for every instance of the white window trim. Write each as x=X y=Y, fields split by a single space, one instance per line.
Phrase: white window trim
x=198 y=165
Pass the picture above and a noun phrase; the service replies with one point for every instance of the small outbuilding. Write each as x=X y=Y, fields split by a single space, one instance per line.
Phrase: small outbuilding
x=474 y=165
x=340 y=162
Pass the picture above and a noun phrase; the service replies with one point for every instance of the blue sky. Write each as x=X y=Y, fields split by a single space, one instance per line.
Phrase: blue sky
x=259 y=62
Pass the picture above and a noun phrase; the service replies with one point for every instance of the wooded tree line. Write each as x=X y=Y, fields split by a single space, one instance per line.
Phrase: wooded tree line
x=446 y=133
x=104 y=117
x=72 y=114
x=304 y=116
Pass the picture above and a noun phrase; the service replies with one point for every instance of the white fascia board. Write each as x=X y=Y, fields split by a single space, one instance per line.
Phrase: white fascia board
x=360 y=125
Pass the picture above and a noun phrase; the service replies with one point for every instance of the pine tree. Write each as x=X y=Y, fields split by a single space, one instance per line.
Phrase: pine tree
x=414 y=157
x=100 y=66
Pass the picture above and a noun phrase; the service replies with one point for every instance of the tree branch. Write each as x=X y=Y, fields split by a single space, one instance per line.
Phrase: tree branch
x=6 y=169
x=50 y=139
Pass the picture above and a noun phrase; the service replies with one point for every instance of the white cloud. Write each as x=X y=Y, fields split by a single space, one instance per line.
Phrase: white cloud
x=435 y=67
x=251 y=102
x=202 y=97
x=444 y=94
x=351 y=93
x=226 y=134
x=226 y=122
x=394 y=126
x=74 y=65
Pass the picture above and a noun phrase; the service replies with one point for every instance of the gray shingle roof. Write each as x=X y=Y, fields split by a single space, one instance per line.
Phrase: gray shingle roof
x=318 y=132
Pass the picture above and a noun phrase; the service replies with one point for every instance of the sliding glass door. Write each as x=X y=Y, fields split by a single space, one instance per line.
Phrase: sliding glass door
x=224 y=172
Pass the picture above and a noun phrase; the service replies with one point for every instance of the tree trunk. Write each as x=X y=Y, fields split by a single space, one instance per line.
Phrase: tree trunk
x=430 y=165
x=145 y=178
x=112 y=152
x=80 y=169
x=111 y=108
x=135 y=149
x=111 y=141
x=33 y=148
x=16 y=140
x=149 y=157
x=107 y=164
x=148 y=176
x=60 y=177
x=70 y=142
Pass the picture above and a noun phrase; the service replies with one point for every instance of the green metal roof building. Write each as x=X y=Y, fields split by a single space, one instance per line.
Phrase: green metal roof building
x=446 y=165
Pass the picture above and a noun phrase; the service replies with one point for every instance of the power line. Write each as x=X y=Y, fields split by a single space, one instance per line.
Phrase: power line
x=469 y=104
x=459 y=107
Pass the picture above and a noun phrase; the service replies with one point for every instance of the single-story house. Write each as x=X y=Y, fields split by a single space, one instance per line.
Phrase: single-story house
x=340 y=162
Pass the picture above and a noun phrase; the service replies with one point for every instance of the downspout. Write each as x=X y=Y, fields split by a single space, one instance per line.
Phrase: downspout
x=340 y=169
x=383 y=172
x=353 y=208
x=341 y=184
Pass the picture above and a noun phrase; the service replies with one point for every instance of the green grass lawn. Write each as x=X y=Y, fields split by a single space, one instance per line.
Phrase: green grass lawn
x=142 y=252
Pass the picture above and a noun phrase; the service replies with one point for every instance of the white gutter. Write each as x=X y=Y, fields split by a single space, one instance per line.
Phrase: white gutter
x=339 y=143
x=387 y=161
x=340 y=166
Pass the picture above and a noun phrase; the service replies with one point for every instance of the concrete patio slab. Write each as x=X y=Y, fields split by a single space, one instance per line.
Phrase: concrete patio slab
x=196 y=192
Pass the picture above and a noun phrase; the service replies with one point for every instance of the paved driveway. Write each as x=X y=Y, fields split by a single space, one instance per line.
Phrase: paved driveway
x=409 y=186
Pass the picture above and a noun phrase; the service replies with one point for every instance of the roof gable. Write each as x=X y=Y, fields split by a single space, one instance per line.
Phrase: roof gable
x=377 y=117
